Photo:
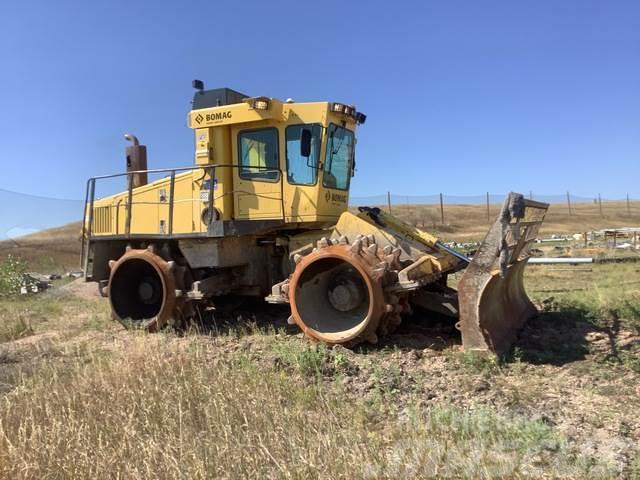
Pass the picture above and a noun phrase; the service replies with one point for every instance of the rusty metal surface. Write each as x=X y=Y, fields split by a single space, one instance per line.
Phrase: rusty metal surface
x=494 y=305
x=337 y=292
x=142 y=290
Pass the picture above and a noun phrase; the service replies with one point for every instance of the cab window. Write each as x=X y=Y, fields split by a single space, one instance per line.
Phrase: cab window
x=258 y=152
x=337 y=164
x=302 y=170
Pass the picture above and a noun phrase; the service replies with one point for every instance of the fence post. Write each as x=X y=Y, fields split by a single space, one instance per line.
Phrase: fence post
x=569 y=203
x=600 y=204
x=628 y=206
x=488 y=211
x=389 y=201
x=441 y=209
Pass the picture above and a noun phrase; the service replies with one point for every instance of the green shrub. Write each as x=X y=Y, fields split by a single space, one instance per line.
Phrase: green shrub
x=12 y=276
x=311 y=360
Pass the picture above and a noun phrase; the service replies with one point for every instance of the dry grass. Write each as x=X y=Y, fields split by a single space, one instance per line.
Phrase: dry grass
x=470 y=222
x=175 y=409
x=81 y=398
x=56 y=250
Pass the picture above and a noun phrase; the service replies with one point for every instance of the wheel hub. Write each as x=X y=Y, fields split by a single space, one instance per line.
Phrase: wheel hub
x=347 y=293
x=148 y=291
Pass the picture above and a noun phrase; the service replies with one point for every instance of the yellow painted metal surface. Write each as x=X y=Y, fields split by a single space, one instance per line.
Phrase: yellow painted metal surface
x=235 y=198
x=150 y=208
x=395 y=232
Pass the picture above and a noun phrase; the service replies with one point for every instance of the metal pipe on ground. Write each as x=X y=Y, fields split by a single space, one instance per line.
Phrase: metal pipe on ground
x=559 y=260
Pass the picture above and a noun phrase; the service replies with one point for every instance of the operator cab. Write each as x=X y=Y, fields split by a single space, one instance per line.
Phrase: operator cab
x=273 y=160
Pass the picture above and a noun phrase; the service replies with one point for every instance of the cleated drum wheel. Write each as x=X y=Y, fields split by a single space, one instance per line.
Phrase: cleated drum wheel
x=337 y=292
x=143 y=290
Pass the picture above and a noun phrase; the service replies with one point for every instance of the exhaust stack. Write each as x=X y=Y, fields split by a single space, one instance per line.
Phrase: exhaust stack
x=136 y=160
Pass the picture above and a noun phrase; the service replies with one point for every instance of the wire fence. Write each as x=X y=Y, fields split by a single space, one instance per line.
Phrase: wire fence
x=21 y=214
x=563 y=203
x=491 y=198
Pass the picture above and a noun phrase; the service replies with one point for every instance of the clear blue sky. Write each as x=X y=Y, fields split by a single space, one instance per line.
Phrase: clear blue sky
x=461 y=97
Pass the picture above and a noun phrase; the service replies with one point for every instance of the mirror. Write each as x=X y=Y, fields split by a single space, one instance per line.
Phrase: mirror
x=305 y=142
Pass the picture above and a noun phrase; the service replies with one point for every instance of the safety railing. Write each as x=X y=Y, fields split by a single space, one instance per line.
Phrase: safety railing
x=209 y=171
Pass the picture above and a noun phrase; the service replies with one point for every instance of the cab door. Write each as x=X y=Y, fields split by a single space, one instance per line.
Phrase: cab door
x=301 y=190
x=258 y=179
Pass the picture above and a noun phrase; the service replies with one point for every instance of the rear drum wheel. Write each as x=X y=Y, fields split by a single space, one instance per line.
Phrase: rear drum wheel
x=142 y=290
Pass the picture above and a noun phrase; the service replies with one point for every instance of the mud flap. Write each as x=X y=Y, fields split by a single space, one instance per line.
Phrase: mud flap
x=493 y=303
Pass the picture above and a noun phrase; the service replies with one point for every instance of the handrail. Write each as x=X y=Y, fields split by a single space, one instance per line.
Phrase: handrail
x=88 y=214
x=184 y=169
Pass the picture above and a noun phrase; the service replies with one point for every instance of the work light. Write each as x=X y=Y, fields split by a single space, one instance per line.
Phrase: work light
x=261 y=103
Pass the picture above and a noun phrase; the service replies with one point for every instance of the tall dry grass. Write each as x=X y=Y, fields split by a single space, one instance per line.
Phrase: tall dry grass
x=170 y=408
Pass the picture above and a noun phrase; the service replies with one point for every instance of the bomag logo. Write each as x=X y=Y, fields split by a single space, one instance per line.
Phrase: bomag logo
x=213 y=117
x=335 y=197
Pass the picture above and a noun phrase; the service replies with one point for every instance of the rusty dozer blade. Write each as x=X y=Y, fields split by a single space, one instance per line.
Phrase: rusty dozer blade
x=494 y=305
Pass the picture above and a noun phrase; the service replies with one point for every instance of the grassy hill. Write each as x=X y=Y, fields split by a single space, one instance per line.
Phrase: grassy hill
x=470 y=222
x=58 y=249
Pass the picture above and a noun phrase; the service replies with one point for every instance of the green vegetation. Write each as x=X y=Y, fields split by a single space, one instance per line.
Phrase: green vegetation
x=84 y=398
x=602 y=294
x=310 y=360
x=12 y=277
x=23 y=315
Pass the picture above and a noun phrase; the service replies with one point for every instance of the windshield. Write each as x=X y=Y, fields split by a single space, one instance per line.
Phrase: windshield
x=337 y=165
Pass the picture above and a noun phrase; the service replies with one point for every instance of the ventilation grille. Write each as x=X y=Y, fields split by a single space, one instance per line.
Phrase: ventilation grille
x=101 y=220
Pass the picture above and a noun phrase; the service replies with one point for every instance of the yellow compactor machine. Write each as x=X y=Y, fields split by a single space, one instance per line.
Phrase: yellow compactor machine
x=264 y=212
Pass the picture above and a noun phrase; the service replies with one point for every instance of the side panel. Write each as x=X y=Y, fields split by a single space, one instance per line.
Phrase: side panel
x=150 y=209
x=145 y=210
x=256 y=199
x=218 y=253
x=99 y=254
x=213 y=147
x=184 y=206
